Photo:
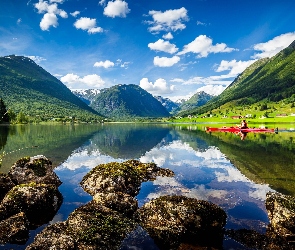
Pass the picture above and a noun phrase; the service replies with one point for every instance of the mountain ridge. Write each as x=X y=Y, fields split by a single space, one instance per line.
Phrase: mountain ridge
x=26 y=87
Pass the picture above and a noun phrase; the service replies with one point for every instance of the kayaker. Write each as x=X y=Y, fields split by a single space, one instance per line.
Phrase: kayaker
x=243 y=124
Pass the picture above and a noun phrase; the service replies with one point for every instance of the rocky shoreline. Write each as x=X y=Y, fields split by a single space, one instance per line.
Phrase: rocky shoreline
x=29 y=198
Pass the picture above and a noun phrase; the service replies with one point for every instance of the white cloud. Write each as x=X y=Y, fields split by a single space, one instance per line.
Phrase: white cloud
x=19 y=21
x=75 y=82
x=37 y=59
x=212 y=89
x=203 y=46
x=162 y=45
x=235 y=67
x=86 y=23
x=51 y=11
x=168 y=36
x=49 y=19
x=75 y=13
x=272 y=47
x=117 y=8
x=170 y=20
x=106 y=64
x=165 y=61
x=102 y=2
x=201 y=23
x=158 y=88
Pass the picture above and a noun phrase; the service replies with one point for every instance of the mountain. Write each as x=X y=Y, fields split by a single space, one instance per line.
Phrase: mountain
x=86 y=95
x=127 y=101
x=168 y=104
x=26 y=87
x=268 y=79
x=197 y=100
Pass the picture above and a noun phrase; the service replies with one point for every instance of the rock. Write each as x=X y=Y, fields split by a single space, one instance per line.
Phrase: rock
x=53 y=237
x=14 y=230
x=255 y=240
x=36 y=169
x=5 y=185
x=120 y=202
x=97 y=227
x=39 y=202
x=125 y=177
x=172 y=220
x=281 y=212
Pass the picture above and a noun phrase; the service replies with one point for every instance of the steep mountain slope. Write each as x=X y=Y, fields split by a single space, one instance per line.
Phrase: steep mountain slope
x=86 y=95
x=26 y=87
x=125 y=101
x=168 y=104
x=197 y=100
x=270 y=79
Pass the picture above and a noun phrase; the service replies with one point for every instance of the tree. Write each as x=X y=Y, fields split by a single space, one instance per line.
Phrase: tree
x=3 y=112
x=21 y=118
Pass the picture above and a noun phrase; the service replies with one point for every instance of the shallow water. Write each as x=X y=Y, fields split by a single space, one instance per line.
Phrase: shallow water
x=217 y=167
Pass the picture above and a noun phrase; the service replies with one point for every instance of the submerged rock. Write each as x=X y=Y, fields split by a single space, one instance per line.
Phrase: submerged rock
x=39 y=202
x=53 y=237
x=125 y=177
x=255 y=240
x=281 y=212
x=14 y=229
x=172 y=220
x=97 y=227
x=36 y=169
x=5 y=185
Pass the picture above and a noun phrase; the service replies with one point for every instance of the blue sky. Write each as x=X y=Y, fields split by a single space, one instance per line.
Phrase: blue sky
x=172 y=48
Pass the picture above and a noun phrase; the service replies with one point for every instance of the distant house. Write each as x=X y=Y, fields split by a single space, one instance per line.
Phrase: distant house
x=236 y=117
x=248 y=116
x=281 y=115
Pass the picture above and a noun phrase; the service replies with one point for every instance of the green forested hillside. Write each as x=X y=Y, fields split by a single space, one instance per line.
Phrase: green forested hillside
x=269 y=79
x=26 y=87
x=123 y=102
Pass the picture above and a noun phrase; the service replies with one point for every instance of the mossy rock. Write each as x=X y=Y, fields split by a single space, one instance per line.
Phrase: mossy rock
x=14 y=230
x=39 y=202
x=33 y=169
x=172 y=220
x=5 y=185
x=53 y=237
x=120 y=202
x=95 y=225
x=125 y=177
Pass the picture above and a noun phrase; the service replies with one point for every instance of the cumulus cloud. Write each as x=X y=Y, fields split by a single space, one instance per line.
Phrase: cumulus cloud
x=158 y=88
x=168 y=36
x=170 y=20
x=49 y=19
x=164 y=46
x=273 y=46
x=203 y=46
x=106 y=64
x=166 y=61
x=76 y=82
x=117 y=8
x=89 y=24
x=75 y=13
x=51 y=11
x=235 y=67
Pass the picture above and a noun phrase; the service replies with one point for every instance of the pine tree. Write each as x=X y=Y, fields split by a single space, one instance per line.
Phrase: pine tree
x=3 y=112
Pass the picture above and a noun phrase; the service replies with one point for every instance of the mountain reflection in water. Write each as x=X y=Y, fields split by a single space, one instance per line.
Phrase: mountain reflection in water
x=220 y=168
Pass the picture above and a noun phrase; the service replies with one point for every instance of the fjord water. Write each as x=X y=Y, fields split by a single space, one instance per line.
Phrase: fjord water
x=218 y=167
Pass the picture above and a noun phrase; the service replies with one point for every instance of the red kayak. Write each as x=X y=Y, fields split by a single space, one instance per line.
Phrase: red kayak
x=237 y=129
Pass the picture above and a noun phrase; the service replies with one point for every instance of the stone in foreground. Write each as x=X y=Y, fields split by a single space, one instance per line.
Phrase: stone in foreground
x=125 y=177
x=172 y=220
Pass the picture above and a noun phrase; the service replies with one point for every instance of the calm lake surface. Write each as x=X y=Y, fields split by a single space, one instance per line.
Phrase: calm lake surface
x=218 y=167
